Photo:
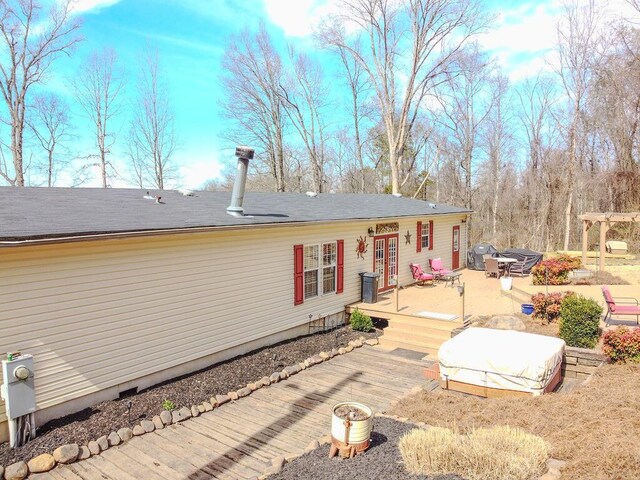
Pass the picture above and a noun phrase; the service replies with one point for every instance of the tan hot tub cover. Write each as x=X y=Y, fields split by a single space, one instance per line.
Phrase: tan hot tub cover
x=501 y=359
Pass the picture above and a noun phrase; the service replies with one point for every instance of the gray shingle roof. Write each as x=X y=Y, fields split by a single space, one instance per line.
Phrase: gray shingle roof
x=35 y=213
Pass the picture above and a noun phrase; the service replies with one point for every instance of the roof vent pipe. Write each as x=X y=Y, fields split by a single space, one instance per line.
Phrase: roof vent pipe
x=244 y=154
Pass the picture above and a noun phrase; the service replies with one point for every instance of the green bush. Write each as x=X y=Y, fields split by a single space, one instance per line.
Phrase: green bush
x=360 y=321
x=168 y=405
x=622 y=345
x=580 y=321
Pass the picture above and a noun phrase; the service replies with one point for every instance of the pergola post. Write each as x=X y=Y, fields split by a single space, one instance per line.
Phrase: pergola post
x=586 y=225
x=604 y=228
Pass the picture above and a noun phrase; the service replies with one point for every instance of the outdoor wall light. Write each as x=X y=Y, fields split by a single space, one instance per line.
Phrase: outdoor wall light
x=460 y=289
x=370 y=231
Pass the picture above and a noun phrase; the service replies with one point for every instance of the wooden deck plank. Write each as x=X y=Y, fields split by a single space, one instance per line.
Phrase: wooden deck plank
x=130 y=465
x=219 y=466
x=365 y=379
x=223 y=459
x=159 y=466
x=61 y=472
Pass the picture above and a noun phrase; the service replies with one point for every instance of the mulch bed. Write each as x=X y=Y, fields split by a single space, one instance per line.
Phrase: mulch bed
x=381 y=460
x=103 y=418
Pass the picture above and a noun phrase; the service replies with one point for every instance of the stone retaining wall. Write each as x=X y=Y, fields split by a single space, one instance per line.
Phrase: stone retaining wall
x=581 y=362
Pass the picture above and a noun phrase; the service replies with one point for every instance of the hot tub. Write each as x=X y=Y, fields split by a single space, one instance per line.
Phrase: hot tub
x=496 y=363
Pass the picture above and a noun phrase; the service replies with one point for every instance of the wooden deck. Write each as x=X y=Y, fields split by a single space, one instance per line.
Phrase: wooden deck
x=239 y=439
x=420 y=319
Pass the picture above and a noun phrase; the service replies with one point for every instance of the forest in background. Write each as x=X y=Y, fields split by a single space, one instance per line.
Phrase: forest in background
x=413 y=105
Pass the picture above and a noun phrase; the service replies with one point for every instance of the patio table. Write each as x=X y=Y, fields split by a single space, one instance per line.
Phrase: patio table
x=451 y=277
x=507 y=261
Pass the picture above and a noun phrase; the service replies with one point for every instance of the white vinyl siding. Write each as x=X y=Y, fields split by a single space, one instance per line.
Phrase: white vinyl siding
x=99 y=314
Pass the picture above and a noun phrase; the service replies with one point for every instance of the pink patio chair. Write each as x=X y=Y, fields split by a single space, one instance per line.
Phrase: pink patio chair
x=620 y=306
x=438 y=269
x=419 y=276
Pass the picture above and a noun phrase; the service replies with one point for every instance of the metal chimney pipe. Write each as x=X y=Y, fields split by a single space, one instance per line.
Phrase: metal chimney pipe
x=244 y=154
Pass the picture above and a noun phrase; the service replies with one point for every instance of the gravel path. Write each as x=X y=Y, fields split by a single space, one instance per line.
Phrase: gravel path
x=105 y=417
x=382 y=459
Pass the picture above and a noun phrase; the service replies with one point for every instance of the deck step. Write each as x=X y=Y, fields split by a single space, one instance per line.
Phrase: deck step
x=417 y=334
x=389 y=344
x=415 y=338
x=417 y=321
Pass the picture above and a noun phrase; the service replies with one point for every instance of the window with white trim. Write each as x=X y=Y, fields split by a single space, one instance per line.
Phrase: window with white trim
x=320 y=273
x=425 y=235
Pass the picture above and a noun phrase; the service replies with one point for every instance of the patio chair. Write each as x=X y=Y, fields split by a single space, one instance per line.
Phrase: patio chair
x=438 y=269
x=419 y=276
x=620 y=306
x=492 y=268
x=517 y=268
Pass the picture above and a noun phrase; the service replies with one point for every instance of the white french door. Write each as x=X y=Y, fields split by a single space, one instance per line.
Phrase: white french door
x=385 y=260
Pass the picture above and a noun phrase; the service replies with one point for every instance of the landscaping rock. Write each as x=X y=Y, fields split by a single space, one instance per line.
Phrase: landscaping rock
x=371 y=341
x=348 y=348
x=103 y=442
x=66 y=453
x=138 y=430
x=207 y=406
x=324 y=355
x=506 y=322
x=275 y=377
x=84 y=452
x=302 y=365
x=94 y=448
x=292 y=369
x=284 y=375
x=180 y=415
x=265 y=381
x=125 y=434
x=201 y=408
x=233 y=396
x=157 y=421
x=148 y=426
x=357 y=343
x=252 y=386
x=42 y=463
x=16 y=471
x=333 y=352
x=222 y=399
x=243 y=392
x=114 y=439
x=342 y=351
x=166 y=416
x=312 y=446
x=194 y=411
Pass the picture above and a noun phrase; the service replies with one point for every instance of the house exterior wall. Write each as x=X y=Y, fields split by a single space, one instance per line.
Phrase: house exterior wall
x=105 y=316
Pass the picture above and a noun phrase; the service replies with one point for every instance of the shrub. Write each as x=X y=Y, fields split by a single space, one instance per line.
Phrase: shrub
x=554 y=271
x=484 y=454
x=622 y=344
x=580 y=321
x=360 y=321
x=168 y=405
x=546 y=307
x=573 y=262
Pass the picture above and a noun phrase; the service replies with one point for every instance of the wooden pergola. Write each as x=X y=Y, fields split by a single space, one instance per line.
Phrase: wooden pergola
x=605 y=221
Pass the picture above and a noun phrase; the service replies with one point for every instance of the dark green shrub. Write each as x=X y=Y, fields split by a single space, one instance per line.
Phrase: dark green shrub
x=360 y=321
x=580 y=321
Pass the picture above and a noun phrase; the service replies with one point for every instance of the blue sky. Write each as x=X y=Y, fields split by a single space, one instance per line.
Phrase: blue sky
x=191 y=36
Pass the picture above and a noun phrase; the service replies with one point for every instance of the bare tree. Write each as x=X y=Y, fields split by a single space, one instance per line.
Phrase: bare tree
x=31 y=41
x=577 y=48
x=304 y=98
x=49 y=122
x=152 y=137
x=98 y=88
x=411 y=47
x=252 y=72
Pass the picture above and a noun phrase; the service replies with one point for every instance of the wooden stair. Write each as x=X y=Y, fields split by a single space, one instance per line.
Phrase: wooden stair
x=412 y=332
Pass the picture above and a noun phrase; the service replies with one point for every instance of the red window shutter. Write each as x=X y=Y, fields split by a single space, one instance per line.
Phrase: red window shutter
x=430 y=234
x=340 y=273
x=298 y=274
x=419 y=238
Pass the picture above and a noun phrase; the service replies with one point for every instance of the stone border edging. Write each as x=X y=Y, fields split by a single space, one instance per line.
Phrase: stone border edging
x=73 y=452
x=278 y=463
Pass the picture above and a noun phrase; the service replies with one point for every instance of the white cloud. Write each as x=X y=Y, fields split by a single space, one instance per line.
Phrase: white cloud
x=81 y=6
x=197 y=173
x=298 y=18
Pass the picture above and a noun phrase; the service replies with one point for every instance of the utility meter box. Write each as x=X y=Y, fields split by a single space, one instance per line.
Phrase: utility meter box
x=18 y=390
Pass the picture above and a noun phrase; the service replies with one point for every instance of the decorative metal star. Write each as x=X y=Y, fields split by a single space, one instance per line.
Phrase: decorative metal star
x=407 y=238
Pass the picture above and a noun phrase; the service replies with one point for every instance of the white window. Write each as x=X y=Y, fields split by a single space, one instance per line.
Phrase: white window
x=425 y=235
x=316 y=274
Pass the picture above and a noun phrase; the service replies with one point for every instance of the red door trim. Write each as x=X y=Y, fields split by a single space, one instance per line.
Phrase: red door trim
x=455 y=256
x=383 y=285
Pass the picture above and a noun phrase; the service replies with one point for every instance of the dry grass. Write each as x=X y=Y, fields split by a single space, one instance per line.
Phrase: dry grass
x=483 y=454
x=532 y=324
x=595 y=428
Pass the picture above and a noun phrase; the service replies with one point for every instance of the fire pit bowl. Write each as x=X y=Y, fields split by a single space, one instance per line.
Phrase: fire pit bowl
x=351 y=425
